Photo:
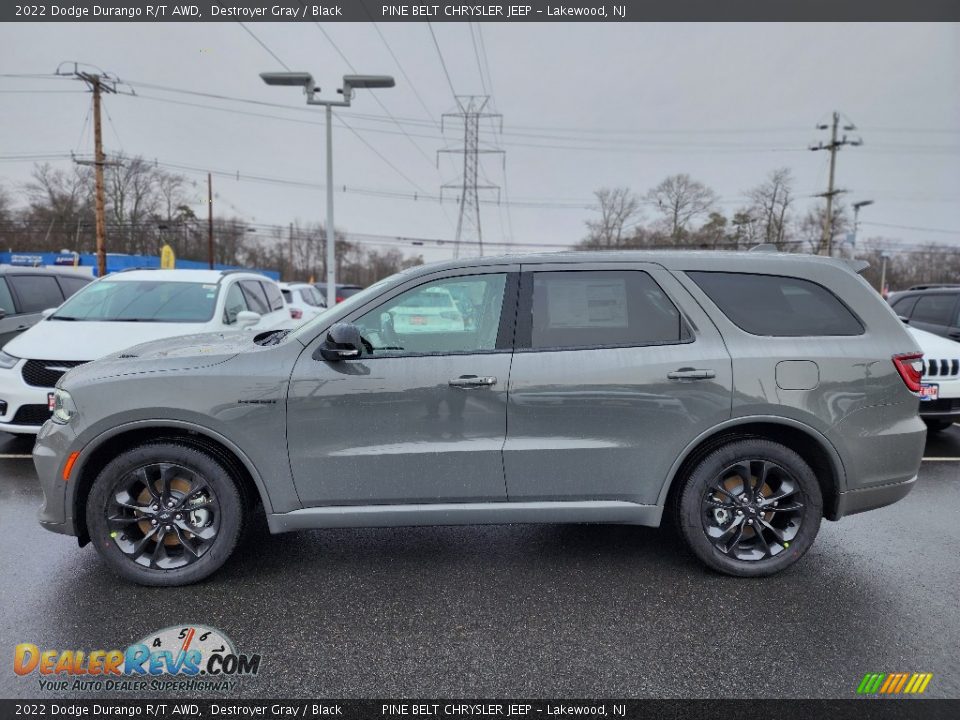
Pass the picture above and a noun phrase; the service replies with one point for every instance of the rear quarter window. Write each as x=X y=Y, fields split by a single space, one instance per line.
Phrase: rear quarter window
x=777 y=306
x=274 y=297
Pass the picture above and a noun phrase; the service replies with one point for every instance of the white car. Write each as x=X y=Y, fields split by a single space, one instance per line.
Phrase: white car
x=430 y=310
x=303 y=300
x=121 y=310
x=940 y=385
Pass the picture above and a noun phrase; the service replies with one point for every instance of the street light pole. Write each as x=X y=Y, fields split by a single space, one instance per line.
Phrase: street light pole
x=350 y=83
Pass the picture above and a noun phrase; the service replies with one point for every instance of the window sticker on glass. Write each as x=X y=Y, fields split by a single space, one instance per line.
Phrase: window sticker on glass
x=587 y=303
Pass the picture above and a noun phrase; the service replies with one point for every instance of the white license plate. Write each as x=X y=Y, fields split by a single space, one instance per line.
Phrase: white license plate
x=929 y=391
x=51 y=403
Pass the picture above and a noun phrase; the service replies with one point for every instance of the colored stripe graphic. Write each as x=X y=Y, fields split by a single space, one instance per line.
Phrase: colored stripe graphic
x=894 y=683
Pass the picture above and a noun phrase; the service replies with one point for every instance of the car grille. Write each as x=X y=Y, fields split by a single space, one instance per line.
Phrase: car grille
x=31 y=415
x=45 y=373
x=941 y=368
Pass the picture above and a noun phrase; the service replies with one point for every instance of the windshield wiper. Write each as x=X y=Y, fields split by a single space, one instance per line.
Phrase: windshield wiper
x=64 y=318
x=273 y=337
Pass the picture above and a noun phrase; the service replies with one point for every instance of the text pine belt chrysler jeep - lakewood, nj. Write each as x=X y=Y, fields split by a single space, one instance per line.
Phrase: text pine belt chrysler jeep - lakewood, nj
x=741 y=396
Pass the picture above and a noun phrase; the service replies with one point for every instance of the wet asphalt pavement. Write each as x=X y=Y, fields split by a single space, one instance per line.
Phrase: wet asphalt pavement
x=520 y=611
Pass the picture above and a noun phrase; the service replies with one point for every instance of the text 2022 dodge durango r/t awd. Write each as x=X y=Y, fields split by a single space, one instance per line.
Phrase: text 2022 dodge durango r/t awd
x=744 y=396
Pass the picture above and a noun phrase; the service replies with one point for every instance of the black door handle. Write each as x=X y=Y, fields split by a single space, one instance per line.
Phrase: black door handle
x=468 y=382
x=688 y=373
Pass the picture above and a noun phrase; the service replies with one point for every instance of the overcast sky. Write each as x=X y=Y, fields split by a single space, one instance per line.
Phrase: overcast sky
x=584 y=106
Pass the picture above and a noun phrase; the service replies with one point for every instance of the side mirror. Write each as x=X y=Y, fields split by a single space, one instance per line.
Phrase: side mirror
x=45 y=313
x=343 y=342
x=247 y=318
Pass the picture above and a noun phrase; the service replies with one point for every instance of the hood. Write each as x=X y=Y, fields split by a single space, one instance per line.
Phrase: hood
x=78 y=340
x=935 y=347
x=185 y=352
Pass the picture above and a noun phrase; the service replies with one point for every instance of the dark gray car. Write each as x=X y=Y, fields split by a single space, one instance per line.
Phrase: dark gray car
x=26 y=292
x=742 y=396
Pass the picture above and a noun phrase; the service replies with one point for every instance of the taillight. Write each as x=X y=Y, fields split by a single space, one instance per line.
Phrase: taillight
x=296 y=313
x=910 y=367
x=340 y=299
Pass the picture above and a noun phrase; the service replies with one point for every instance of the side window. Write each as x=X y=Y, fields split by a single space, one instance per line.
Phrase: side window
x=904 y=306
x=36 y=292
x=255 y=297
x=777 y=306
x=453 y=315
x=234 y=304
x=583 y=309
x=6 y=301
x=274 y=297
x=287 y=295
x=70 y=285
x=936 y=309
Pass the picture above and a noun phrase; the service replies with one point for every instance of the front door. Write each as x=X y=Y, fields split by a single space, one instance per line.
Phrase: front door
x=420 y=416
x=612 y=377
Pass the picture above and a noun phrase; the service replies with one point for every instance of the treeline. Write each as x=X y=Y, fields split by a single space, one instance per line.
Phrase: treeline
x=683 y=212
x=148 y=206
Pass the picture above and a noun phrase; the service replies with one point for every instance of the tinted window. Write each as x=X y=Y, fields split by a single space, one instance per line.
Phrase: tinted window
x=273 y=295
x=426 y=319
x=70 y=285
x=904 y=306
x=777 y=306
x=577 y=309
x=287 y=295
x=141 y=301
x=6 y=302
x=36 y=292
x=255 y=297
x=234 y=304
x=937 y=309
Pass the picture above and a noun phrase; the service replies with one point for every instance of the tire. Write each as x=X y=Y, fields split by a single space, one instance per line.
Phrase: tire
x=936 y=426
x=150 y=543
x=710 y=511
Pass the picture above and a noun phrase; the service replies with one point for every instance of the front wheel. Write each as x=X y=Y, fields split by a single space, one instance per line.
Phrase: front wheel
x=750 y=508
x=164 y=514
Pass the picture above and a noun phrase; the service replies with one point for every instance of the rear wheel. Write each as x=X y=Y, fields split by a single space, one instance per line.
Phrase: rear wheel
x=750 y=508
x=164 y=514
x=936 y=426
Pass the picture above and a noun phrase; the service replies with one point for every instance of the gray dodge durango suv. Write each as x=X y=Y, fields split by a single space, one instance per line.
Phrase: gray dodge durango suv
x=741 y=396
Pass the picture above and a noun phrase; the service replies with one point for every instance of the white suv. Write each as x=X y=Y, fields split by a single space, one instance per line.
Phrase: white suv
x=121 y=310
x=940 y=385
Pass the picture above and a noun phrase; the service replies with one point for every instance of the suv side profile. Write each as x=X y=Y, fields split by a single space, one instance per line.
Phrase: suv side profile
x=742 y=397
x=26 y=292
x=934 y=308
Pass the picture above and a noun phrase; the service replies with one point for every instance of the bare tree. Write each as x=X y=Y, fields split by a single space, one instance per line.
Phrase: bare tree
x=771 y=201
x=617 y=207
x=681 y=199
x=810 y=228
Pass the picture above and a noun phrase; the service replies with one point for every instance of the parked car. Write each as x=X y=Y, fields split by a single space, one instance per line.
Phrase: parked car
x=342 y=291
x=26 y=292
x=934 y=308
x=430 y=311
x=744 y=396
x=303 y=300
x=120 y=310
x=940 y=385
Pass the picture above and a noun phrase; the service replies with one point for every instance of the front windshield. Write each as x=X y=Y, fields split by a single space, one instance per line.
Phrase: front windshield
x=141 y=301
x=306 y=331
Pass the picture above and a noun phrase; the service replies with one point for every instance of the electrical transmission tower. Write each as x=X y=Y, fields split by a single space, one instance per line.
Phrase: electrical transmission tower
x=826 y=240
x=468 y=223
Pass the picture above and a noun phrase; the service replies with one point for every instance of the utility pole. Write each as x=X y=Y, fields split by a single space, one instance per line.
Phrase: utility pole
x=99 y=83
x=826 y=241
x=210 y=218
x=290 y=256
x=468 y=222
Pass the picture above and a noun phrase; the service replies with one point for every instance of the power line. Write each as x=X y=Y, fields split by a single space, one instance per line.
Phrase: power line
x=443 y=63
x=262 y=44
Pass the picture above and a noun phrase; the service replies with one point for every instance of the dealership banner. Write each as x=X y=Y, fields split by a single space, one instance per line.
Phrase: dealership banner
x=483 y=709
x=489 y=11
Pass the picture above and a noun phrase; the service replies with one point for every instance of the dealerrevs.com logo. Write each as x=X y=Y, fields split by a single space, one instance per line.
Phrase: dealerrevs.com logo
x=177 y=658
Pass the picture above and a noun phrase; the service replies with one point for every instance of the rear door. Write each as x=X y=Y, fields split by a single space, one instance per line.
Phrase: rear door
x=33 y=294
x=11 y=324
x=616 y=370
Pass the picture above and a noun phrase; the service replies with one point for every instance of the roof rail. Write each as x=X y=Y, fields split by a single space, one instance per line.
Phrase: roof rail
x=932 y=286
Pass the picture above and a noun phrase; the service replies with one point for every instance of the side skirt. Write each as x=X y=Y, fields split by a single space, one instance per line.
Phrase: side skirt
x=494 y=513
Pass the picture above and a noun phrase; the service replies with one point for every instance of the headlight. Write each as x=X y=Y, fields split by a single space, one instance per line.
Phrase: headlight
x=63 y=406
x=7 y=361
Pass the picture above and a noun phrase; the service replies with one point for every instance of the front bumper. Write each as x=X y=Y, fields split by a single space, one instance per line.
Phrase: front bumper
x=53 y=446
x=25 y=404
x=871 y=498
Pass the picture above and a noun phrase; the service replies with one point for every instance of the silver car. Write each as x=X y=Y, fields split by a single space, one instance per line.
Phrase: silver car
x=742 y=397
